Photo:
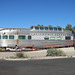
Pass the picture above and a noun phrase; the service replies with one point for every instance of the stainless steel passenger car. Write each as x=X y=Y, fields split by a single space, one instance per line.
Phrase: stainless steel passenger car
x=36 y=35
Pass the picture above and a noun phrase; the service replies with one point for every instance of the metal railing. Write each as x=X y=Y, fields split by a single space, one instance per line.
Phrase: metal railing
x=44 y=46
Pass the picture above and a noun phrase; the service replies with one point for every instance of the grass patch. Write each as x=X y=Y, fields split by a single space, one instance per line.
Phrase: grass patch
x=18 y=55
x=12 y=57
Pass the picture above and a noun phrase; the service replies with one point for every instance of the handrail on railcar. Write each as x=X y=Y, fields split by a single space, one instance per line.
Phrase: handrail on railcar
x=50 y=45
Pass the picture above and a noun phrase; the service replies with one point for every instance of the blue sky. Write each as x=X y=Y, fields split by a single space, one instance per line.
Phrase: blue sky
x=25 y=13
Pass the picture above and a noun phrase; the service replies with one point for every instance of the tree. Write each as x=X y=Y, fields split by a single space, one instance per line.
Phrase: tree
x=50 y=25
x=41 y=25
x=73 y=28
x=68 y=27
x=58 y=26
x=38 y=25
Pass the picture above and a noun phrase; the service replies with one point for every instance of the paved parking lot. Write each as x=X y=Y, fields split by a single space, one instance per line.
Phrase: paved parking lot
x=38 y=67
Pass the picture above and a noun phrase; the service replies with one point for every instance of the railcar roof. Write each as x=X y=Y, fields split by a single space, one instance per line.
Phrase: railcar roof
x=13 y=29
x=46 y=26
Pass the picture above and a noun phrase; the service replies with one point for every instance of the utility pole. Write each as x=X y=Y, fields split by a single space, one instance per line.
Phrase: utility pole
x=74 y=41
x=74 y=44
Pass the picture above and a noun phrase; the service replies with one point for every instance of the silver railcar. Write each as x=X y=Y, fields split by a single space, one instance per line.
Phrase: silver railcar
x=36 y=35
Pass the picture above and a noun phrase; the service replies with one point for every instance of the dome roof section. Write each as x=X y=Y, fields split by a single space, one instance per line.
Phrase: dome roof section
x=46 y=28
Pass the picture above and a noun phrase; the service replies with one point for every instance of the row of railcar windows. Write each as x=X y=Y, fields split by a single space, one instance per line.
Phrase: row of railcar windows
x=58 y=38
x=29 y=37
x=12 y=37
x=48 y=34
x=24 y=37
x=6 y=37
x=47 y=28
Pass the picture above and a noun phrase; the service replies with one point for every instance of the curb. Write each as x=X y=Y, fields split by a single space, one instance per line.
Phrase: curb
x=39 y=58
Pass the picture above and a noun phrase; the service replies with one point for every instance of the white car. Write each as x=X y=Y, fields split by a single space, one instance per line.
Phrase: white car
x=11 y=49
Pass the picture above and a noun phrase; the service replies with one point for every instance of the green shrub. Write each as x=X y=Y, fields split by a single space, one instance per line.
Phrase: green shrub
x=0 y=49
x=12 y=57
x=55 y=52
x=20 y=55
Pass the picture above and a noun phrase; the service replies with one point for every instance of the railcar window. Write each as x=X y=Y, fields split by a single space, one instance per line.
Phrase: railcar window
x=55 y=28
x=46 y=38
x=68 y=38
x=59 y=38
x=0 y=36
x=50 y=28
x=46 y=28
x=59 y=29
x=29 y=37
x=52 y=38
x=32 y=27
x=41 y=28
x=11 y=36
x=37 y=28
x=21 y=37
x=5 y=37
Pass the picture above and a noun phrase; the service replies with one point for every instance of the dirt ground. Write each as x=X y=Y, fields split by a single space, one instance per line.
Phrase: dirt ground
x=40 y=53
